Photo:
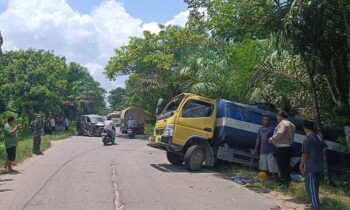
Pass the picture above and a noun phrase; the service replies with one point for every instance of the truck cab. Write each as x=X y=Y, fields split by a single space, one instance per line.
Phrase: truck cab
x=185 y=129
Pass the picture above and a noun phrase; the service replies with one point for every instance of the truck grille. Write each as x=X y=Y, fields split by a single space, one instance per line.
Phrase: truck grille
x=166 y=140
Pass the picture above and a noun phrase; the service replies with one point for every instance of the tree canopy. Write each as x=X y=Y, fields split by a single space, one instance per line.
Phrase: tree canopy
x=34 y=81
x=294 y=54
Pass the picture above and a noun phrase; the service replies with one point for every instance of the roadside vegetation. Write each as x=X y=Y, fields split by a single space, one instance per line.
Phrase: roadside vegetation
x=294 y=54
x=330 y=197
x=25 y=145
x=149 y=129
x=37 y=81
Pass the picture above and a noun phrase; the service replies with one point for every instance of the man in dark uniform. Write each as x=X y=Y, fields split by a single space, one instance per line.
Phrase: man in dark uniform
x=37 y=128
x=311 y=164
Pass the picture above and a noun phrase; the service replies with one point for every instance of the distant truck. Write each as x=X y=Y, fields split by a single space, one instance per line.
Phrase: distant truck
x=137 y=115
x=198 y=131
x=115 y=116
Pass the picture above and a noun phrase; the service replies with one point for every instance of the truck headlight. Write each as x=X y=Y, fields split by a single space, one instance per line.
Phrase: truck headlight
x=169 y=130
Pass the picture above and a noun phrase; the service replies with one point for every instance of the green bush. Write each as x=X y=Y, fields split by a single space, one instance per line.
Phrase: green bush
x=25 y=146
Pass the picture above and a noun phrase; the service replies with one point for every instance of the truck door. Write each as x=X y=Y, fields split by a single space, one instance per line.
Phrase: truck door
x=197 y=119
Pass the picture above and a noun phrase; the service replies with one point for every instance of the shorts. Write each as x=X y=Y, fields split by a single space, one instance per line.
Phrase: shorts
x=268 y=163
x=11 y=153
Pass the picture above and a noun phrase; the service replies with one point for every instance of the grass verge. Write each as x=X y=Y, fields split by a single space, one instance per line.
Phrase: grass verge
x=149 y=129
x=330 y=197
x=25 y=145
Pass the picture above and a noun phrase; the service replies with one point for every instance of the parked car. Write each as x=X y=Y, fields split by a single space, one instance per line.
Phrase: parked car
x=90 y=125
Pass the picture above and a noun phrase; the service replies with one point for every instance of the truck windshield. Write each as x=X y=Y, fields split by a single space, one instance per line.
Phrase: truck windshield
x=114 y=115
x=171 y=107
x=96 y=119
x=173 y=104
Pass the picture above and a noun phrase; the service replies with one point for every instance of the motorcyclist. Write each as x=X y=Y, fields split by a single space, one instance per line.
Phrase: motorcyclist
x=110 y=127
x=131 y=123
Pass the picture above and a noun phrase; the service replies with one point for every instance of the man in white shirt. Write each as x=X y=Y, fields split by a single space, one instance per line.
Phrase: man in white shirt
x=53 y=124
x=66 y=124
x=109 y=127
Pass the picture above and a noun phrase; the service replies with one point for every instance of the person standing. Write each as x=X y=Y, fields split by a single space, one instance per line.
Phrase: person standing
x=66 y=123
x=37 y=128
x=53 y=124
x=47 y=126
x=10 y=134
x=131 y=123
x=311 y=164
x=283 y=138
x=267 y=161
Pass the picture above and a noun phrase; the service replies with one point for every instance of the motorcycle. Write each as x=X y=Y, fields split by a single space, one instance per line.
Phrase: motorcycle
x=107 y=137
x=131 y=133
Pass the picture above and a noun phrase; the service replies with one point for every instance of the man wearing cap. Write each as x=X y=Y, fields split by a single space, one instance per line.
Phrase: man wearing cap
x=37 y=128
x=283 y=140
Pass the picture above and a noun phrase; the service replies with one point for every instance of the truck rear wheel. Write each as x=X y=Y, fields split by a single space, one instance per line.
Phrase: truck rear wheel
x=174 y=158
x=194 y=157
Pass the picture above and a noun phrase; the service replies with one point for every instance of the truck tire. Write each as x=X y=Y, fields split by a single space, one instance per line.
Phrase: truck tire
x=194 y=157
x=174 y=158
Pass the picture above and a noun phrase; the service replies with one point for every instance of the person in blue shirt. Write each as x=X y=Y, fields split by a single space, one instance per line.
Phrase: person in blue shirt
x=131 y=123
x=267 y=160
x=311 y=164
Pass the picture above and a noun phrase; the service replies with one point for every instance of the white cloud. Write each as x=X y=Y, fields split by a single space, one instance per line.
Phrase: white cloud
x=152 y=27
x=87 y=39
x=179 y=19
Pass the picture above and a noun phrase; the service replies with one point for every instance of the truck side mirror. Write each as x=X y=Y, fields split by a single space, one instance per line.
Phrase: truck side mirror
x=159 y=104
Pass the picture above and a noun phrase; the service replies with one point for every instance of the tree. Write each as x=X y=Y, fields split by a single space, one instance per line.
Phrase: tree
x=38 y=81
x=239 y=19
x=85 y=94
x=319 y=32
x=116 y=98
x=33 y=81
x=154 y=63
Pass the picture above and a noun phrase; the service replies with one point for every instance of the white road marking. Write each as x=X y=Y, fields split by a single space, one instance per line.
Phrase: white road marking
x=117 y=203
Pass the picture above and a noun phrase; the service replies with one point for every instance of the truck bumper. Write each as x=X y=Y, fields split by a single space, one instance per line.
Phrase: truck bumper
x=165 y=147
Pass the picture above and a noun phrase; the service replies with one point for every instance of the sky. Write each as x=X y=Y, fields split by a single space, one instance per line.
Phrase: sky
x=85 y=31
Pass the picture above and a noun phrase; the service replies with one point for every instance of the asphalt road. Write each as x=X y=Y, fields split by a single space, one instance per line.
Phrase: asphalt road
x=80 y=173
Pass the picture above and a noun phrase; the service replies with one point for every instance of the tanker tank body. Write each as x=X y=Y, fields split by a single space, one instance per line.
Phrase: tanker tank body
x=237 y=124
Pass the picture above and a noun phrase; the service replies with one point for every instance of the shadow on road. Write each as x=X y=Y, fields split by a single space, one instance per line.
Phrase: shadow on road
x=169 y=168
x=137 y=137
x=5 y=180
x=5 y=190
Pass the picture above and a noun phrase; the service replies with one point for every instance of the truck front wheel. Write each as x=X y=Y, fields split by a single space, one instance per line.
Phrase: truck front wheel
x=174 y=158
x=194 y=157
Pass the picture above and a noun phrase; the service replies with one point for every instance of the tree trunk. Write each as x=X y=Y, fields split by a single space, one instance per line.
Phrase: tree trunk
x=347 y=32
x=335 y=97
x=347 y=135
x=311 y=74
